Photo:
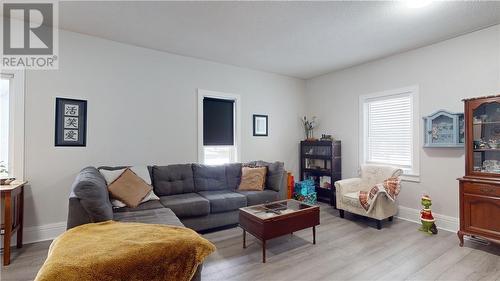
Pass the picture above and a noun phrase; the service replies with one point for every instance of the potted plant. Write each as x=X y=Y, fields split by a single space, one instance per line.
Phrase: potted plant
x=4 y=174
x=309 y=126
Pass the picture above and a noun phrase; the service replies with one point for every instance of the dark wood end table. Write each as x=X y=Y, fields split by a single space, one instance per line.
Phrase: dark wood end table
x=13 y=216
x=271 y=220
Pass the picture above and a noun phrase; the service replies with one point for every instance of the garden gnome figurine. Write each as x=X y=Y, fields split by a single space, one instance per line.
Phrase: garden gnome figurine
x=428 y=225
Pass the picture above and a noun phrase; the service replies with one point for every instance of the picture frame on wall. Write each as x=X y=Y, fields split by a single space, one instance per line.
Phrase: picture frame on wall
x=260 y=125
x=71 y=122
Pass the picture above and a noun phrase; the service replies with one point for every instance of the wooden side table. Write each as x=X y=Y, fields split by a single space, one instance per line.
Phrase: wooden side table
x=13 y=209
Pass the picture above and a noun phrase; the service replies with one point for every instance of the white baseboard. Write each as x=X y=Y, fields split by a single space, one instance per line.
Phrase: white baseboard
x=50 y=231
x=45 y=232
x=442 y=221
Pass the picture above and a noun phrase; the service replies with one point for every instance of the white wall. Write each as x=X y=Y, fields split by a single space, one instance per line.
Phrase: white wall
x=142 y=109
x=446 y=72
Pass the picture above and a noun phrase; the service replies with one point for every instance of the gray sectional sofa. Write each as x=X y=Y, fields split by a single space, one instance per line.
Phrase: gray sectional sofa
x=200 y=197
x=197 y=196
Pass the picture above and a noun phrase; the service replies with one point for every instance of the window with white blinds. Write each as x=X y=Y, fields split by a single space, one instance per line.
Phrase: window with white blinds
x=389 y=132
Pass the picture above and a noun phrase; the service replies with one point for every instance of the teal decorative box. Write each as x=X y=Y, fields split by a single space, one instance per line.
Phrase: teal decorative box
x=304 y=187
x=310 y=198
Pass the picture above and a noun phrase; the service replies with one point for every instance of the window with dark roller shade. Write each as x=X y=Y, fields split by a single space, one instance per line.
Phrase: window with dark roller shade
x=218 y=121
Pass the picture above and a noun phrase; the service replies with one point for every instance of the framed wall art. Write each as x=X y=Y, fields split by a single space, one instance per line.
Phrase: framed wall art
x=71 y=122
x=260 y=124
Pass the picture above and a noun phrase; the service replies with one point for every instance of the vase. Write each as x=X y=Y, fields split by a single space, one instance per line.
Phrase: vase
x=311 y=134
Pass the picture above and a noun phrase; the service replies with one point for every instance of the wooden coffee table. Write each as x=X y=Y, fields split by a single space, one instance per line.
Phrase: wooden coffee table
x=271 y=220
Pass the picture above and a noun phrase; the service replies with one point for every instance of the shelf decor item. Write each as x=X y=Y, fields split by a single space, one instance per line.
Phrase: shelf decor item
x=444 y=129
x=304 y=187
x=325 y=137
x=71 y=122
x=479 y=192
x=320 y=162
x=310 y=198
x=260 y=123
x=309 y=126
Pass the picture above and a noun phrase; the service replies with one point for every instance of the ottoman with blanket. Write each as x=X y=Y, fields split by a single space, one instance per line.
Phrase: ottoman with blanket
x=125 y=251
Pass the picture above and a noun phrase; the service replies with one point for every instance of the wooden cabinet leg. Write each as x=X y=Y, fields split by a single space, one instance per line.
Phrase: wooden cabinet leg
x=460 y=238
x=244 y=239
x=7 y=228
x=314 y=235
x=263 y=251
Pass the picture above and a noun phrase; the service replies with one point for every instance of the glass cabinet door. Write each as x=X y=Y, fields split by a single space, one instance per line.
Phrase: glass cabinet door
x=486 y=138
x=443 y=130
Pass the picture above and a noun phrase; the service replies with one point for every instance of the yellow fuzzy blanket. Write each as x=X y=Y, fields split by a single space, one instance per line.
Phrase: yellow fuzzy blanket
x=125 y=251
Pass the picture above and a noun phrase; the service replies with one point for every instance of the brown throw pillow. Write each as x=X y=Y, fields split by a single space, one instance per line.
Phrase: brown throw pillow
x=252 y=178
x=129 y=188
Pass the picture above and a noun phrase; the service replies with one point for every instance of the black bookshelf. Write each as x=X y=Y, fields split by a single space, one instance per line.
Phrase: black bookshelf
x=321 y=159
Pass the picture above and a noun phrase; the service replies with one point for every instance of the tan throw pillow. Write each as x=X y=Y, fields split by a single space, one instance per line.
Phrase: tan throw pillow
x=252 y=178
x=129 y=188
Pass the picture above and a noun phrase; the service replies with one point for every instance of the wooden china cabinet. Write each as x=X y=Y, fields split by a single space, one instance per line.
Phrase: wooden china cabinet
x=480 y=187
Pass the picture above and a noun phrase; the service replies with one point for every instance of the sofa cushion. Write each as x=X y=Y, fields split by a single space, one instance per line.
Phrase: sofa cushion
x=223 y=201
x=110 y=174
x=149 y=205
x=186 y=204
x=252 y=178
x=90 y=187
x=129 y=188
x=233 y=175
x=156 y=216
x=209 y=178
x=351 y=199
x=172 y=179
x=274 y=176
x=259 y=197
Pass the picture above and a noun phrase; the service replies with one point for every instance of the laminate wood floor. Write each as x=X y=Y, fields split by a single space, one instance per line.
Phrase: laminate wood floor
x=346 y=249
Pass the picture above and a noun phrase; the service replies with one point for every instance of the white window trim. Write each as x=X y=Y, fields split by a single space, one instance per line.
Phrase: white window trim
x=414 y=175
x=237 y=122
x=16 y=122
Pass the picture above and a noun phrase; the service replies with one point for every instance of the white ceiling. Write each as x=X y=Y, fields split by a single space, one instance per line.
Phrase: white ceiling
x=299 y=39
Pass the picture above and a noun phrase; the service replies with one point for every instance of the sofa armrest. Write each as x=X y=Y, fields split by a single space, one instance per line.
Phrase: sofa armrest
x=91 y=190
x=77 y=215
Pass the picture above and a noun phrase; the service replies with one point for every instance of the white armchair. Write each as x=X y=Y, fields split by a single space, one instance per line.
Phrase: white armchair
x=347 y=193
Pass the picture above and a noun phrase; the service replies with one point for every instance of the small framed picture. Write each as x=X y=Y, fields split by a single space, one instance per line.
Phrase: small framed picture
x=71 y=122
x=260 y=124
